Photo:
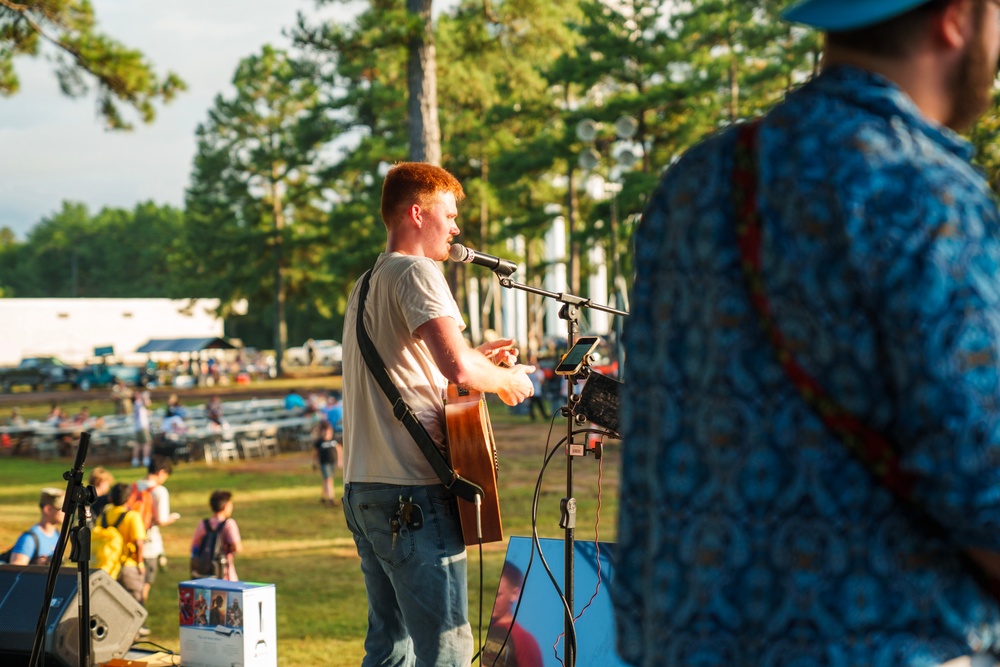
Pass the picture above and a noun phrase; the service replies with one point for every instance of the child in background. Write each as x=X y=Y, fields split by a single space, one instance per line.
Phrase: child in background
x=102 y=480
x=221 y=503
x=326 y=459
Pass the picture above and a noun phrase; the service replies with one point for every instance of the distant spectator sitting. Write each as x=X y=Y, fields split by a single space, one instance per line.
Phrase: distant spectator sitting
x=55 y=416
x=170 y=440
x=316 y=401
x=85 y=419
x=173 y=426
x=213 y=410
x=16 y=419
x=174 y=407
x=334 y=412
x=294 y=402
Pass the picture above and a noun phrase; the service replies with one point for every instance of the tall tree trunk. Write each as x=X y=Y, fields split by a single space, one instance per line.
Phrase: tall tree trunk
x=280 y=326
x=734 y=82
x=484 y=234
x=421 y=76
x=572 y=208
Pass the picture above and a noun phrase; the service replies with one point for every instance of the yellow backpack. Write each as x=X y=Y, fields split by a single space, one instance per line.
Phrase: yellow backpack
x=107 y=546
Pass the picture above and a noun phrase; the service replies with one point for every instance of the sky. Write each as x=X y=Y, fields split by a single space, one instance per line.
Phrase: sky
x=54 y=148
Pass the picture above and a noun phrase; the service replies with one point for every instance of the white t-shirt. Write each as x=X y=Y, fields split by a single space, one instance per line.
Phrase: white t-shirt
x=161 y=512
x=405 y=293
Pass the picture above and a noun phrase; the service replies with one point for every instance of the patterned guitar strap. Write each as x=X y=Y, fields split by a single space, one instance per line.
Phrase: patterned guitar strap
x=870 y=446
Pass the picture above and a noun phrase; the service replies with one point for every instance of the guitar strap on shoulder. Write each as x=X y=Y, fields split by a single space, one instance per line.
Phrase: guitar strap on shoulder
x=872 y=447
x=455 y=483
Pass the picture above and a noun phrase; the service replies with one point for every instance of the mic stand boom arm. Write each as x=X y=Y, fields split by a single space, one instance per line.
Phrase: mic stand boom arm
x=569 y=312
x=562 y=297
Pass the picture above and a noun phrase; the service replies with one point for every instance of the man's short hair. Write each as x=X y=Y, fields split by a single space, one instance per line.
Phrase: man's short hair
x=409 y=183
x=217 y=501
x=51 y=496
x=100 y=474
x=160 y=462
x=119 y=494
x=892 y=38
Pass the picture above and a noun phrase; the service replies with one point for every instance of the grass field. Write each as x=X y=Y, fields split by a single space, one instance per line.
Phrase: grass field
x=305 y=549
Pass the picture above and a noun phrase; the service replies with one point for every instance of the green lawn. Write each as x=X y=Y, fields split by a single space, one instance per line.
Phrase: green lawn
x=305 y=549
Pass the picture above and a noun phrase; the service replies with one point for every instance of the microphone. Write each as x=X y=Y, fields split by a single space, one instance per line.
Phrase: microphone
x=501 y=267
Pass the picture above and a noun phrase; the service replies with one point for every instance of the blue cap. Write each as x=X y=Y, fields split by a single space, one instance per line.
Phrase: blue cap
x=838 y=15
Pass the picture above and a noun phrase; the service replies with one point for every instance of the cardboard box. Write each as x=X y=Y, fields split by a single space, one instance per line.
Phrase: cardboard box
x=227 y=624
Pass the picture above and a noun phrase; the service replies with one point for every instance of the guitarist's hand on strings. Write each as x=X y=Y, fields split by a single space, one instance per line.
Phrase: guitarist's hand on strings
x=520 y=386
x=501 y=352
x=476 y=368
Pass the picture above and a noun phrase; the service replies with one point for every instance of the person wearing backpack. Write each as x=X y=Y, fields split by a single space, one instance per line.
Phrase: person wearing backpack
x=133 y=538
x=37 y=544
x=216 y=538
x=151 y=498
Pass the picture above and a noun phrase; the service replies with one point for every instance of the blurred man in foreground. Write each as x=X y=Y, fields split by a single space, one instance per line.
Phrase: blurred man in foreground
x=761 y=523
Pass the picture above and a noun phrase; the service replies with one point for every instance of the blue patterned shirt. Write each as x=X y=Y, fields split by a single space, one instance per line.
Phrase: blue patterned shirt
x=749 y=535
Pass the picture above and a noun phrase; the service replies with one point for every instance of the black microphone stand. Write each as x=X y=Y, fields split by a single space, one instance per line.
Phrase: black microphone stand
x=570 y=312
x=78 y=499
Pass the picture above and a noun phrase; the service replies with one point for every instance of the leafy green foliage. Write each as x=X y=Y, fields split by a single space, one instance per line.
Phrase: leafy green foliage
x=80 y=54
x=285 y=190
x=256 y=216
x=114 y=253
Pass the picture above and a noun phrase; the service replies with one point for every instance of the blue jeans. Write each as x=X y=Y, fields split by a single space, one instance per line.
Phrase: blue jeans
x=418 y=607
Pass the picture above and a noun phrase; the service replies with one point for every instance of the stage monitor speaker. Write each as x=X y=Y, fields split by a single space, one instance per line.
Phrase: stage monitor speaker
x=115 y=616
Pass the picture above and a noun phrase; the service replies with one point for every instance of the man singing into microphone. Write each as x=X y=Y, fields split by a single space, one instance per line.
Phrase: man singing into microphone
x=415 y=574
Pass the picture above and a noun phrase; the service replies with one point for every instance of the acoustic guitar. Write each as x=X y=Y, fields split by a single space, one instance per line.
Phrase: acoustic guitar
x=472 y=453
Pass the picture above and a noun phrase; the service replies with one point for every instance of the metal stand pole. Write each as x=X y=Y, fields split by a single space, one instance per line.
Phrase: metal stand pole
x=76 y=504
x=569 y=312
x=568 y=504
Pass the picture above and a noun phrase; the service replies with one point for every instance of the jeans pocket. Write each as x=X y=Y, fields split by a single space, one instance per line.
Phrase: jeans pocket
x=377 y=519
x=445 y=512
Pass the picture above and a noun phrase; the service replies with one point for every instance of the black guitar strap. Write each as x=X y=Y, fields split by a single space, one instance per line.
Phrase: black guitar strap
x=455 y=483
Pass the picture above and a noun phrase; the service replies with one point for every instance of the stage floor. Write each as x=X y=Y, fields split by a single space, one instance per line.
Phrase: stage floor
x=136 y=657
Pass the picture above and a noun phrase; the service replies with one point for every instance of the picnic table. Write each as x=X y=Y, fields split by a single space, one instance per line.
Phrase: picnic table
x=254 y=427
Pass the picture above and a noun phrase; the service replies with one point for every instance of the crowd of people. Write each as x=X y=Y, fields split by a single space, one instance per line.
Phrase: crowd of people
x=811 y=446
x=138 y=512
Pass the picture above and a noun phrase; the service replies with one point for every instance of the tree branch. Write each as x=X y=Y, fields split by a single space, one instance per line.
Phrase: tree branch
x=487 y=10
x=24 y=11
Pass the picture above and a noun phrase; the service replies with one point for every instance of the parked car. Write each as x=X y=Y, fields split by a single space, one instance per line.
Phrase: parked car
x=326 y=352
x=104 y=375
x=40 y=373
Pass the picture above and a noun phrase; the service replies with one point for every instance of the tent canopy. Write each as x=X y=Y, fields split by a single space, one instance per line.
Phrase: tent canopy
x=185 y=345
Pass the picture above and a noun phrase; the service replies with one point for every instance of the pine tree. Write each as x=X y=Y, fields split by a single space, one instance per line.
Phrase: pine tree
x=255 y=213
x=81 y=53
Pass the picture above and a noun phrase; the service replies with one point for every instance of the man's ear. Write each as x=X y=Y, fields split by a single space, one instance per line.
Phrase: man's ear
x=416 y=214
x=954 y=26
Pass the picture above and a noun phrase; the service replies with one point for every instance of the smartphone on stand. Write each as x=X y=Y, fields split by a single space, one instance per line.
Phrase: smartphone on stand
x=573 y=361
